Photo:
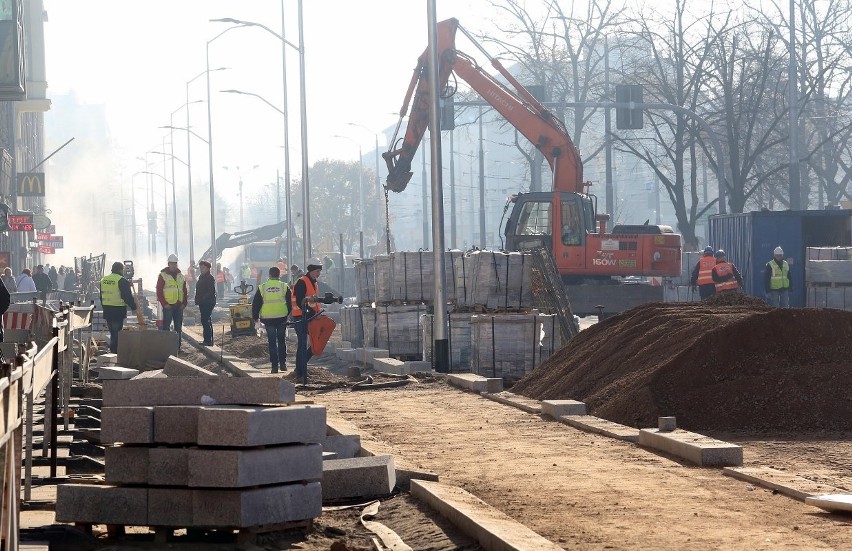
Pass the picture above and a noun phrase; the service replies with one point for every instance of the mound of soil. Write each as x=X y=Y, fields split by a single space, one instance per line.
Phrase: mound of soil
x=727 y=364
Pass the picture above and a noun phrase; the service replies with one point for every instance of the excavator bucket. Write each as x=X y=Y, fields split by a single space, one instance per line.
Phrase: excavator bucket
x=398 y=180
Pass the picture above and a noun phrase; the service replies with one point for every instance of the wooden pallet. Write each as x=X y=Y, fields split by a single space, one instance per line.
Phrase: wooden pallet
x=162 y=534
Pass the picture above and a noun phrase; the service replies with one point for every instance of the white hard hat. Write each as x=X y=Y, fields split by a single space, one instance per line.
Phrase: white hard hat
x=173 y=258
x=778 y=251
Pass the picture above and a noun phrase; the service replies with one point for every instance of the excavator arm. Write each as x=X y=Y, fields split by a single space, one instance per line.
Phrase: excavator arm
x=229 y=240
x=532 y=119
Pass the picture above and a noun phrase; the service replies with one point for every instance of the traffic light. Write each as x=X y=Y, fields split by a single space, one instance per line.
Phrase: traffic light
x=626 y=118
x=448 y=114
x=4 y=217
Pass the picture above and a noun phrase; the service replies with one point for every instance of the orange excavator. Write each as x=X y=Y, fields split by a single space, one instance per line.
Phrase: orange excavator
x=564 y=220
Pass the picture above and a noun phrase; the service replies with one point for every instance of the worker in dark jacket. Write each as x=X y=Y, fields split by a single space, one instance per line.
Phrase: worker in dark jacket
x=776 y=280
x=42 y=282
x=702 y=274
x=725 y=275
x=116 y=298
x=271 y=305
x=205 y=299
x=304 y=305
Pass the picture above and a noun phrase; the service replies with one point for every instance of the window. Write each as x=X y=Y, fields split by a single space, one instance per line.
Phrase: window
x=535 y=219
x=572 y=223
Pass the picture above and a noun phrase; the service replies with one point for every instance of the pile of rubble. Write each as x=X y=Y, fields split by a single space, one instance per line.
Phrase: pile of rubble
x=728 y=364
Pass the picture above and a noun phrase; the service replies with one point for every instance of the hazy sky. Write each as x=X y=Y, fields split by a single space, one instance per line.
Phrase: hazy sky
x=136 y=57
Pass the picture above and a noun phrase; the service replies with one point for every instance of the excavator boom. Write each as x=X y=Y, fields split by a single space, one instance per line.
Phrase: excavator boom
x=532 y=119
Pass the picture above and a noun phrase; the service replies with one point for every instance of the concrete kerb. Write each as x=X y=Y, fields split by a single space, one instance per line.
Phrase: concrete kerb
x=783 y=482
x=233 y=364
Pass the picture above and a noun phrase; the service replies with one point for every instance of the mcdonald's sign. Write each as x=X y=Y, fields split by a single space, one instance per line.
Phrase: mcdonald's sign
x=31 y=184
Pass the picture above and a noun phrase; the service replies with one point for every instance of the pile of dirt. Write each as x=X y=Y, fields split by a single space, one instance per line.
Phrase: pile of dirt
x=727 y=364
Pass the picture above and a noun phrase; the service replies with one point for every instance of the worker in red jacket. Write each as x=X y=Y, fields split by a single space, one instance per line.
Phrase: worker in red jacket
x=702 y=274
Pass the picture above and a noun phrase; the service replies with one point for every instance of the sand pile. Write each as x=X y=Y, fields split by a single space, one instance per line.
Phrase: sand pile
x=728 y=364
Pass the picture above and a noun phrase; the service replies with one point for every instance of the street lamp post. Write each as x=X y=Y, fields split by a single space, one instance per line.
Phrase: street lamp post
x=286 y=168
x=306 y=216
x=240 y=177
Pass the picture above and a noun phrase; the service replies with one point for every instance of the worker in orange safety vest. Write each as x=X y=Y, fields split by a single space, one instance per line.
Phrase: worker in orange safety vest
x=702 y=274
x=725 y=275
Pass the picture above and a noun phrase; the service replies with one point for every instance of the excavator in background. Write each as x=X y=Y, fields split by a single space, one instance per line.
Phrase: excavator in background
x=264 y=246
x=565 y=221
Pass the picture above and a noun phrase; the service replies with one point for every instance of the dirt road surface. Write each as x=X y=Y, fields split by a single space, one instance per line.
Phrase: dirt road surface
x=580 y=490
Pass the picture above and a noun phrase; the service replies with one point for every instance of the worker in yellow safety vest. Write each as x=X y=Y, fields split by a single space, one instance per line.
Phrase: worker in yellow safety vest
x=172 y=295
x=271 y=305
x=776 y=280
x=116 y=298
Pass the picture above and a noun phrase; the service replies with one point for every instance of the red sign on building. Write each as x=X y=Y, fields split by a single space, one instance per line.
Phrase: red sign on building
x=43 y=249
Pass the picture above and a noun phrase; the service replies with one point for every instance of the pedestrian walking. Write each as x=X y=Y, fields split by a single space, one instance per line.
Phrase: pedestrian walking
x=777 y=281
x=60 y=278
x=5 y=301
x=304 y=305
x=271 y=305
x=172 y=295
x=702 y=274
x=25 y=282
x=9 y=280
x=116 y=298
x=725 y=275
x=42 y=282
x=205 y=299
x=71 y=280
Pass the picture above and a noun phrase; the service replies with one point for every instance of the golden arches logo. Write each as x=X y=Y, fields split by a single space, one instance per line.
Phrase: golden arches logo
x=31 y=185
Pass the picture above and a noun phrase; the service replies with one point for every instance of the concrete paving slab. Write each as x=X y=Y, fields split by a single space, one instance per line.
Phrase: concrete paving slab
x=126 y=465
x=831 y=502
x=345 y=446
x=176 y=424
x=390 y=365
x=491 y=528
x=107 y=359
x=515 y=400
x=170 y=507
x=260 y=426
x=417 y=366
x=137 y=348
x=153 y=374
x=168 y=466
x=358 y=477
x=116 y=372
x=223 y=390
x=557 y=408
x=368 y=354
x=343 y=353
x=102 y=504
x=269 y=505
x=476 y=383
x=597 y=425
x=128 y=425
x=175 y=367
x=784 y=482
x=256 y=467
x=695 y=448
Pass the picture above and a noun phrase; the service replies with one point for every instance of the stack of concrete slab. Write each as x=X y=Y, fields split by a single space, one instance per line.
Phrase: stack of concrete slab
x=398 y=329
x=505 y=345
x=828 y=277
x=146 y=350
x=236 y=462
x=365 y=281
x=352 y=326
x=459 y=339
x=494 y=280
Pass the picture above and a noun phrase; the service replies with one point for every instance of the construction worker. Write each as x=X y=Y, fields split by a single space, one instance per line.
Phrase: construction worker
x=282 y=265
x=116 y=298
x=305 y=293
x=776 y=280
x=725 y=275
x=702 y=274
x=191 y=277
x=220 y=281
x=205 y=299
x=271 y=305
x=172 y=295
x=245 y=272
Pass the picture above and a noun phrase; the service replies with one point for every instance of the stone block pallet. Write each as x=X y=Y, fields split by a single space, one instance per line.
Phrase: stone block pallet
x=180 y=464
